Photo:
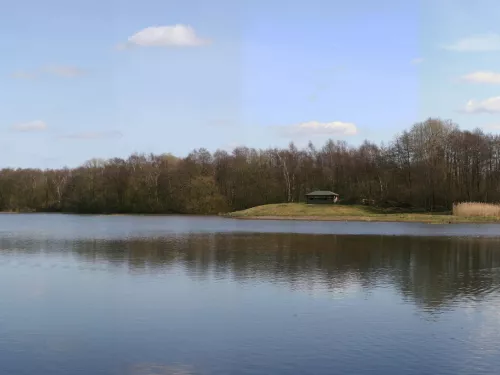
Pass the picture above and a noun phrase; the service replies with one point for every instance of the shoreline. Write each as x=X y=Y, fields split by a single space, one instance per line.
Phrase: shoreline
x=101 y=214
x=366 y=219
x=302 y=212
x=418 y=218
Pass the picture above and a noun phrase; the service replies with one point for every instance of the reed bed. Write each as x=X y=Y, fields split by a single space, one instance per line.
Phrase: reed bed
x=470 y=209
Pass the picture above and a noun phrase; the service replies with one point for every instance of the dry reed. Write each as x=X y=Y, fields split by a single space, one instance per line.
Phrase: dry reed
x=470 y=209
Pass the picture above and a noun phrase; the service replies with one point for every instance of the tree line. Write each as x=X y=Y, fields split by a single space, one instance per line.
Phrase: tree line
x=428 y=167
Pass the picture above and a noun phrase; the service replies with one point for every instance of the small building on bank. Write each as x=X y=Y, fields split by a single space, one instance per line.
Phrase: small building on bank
x=322 y=197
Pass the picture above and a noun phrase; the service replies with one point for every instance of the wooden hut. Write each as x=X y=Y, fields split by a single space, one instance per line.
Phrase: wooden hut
x=322 y=197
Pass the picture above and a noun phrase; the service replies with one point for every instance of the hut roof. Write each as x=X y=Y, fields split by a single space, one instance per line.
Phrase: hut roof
x=321 y=193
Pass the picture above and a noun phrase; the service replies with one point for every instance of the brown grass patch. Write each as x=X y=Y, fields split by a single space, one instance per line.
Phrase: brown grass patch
x=470 y=209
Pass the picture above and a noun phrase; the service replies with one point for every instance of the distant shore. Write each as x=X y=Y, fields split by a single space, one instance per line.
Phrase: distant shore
x=304 y=212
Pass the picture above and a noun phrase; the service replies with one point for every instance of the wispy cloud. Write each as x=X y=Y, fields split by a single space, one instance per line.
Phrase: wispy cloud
x=165 y=36
x=311 y=128
x=89 y=136
x=21 y=74
x=490 y=105
x=66 y=71
x=482 y=77
x=492 y=127
x=30 y=126
x=418 y=60
x=476 y=43
x=231 y=146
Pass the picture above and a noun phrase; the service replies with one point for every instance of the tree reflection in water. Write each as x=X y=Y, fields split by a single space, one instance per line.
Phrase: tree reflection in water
x=433 y=272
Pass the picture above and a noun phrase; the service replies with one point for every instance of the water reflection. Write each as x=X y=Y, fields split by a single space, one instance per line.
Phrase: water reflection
x=433 y=272
x=247 y=303
x=155 y=369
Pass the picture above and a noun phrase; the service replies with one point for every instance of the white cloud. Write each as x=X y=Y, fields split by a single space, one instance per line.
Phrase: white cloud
x=418 y=60
x=31 y=126
x=336 y=128
x=165 y=36
x=88 y=136
x=490 y=105
x=482 y=77
x=477 y=43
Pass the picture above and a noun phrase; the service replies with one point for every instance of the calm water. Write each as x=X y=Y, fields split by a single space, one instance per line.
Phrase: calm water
x=187 y=295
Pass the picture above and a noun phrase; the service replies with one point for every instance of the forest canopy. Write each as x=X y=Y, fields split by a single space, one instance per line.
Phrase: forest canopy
x=430 y=166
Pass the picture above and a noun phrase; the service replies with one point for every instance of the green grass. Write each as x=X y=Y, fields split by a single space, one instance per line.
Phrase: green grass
x=337 y=212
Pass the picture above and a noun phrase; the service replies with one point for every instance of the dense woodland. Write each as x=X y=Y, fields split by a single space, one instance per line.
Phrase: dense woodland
x=429 y=167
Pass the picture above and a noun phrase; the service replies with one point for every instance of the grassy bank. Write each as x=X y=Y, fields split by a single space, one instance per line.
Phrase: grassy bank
x=301 y=211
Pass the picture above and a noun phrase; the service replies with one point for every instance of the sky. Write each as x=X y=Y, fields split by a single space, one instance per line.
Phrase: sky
x=102 y=79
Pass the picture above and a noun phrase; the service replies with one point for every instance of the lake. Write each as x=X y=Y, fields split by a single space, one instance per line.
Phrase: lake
x=159 y=295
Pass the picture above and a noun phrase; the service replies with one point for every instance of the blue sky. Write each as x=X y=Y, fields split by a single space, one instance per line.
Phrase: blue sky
x=86 y=79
